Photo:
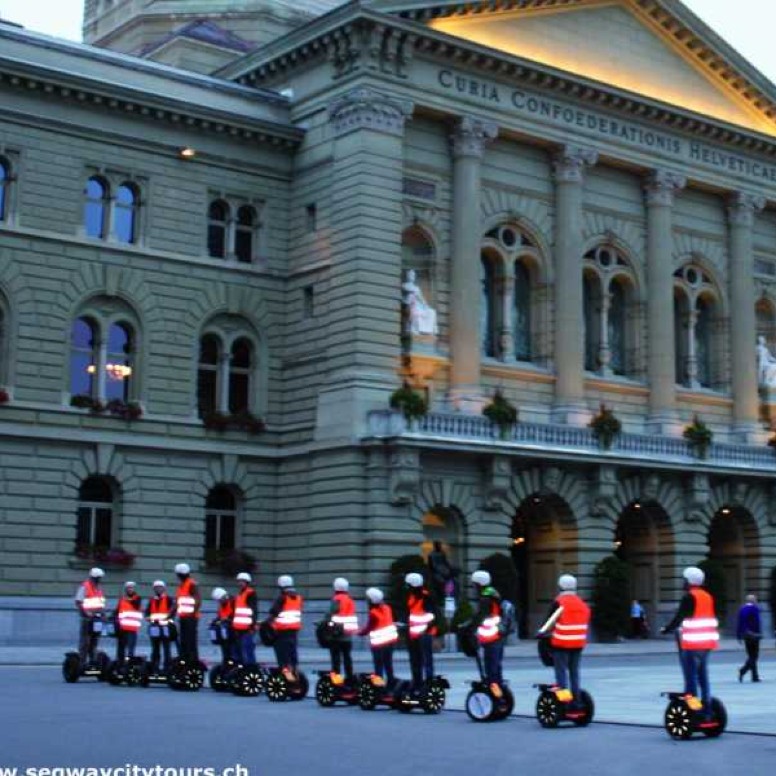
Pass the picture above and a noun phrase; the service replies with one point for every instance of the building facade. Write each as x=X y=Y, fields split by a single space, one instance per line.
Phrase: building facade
x=206 y=302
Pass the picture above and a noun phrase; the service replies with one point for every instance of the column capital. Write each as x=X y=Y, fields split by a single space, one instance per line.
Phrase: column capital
x=661 y=185
x=743 y=206
x=471 y=135
x=570 y=162
x=367 y=108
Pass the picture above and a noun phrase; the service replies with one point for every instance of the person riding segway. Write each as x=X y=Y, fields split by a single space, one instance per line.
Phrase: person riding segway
x=128 y=619
x=161 y=631
x=247 y=679
x=698 y=629
x=566 y=627
x=221 y=634
x=90 y=603
x=188 y=672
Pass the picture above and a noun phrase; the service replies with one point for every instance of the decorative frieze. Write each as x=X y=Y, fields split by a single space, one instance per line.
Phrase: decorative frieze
x=366 y=108
x=570 y=162
x=471 y=136
x=661 y=186
x=742 y=208
x=404 y=480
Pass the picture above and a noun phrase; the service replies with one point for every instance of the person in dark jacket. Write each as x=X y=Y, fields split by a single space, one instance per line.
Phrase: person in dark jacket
x=285 y=616
x=750 y=633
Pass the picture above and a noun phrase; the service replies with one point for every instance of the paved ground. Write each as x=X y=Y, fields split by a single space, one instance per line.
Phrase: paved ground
x=49 y=723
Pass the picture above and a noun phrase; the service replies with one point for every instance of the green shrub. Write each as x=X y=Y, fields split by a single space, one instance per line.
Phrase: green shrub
x=611 y=598
x=716 y=584
x=403 y=565
x=503 y=575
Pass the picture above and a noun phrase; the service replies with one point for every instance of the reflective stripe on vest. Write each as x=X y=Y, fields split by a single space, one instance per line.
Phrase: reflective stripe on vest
x=419 y=619
x=160 y=608
x=243 y=619
x=701 y=631
x=487 y=632
x=346 y=616
x=130 y=619
x=94 y=598
x=187 y=604
x=290 y=616
x=570 y=630
x=225 y=610
x=384 y=632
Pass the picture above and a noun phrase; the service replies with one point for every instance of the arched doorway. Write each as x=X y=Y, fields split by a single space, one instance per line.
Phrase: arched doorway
x=544 y=545
x=643 y=538
x=444 y=525
x=734 y=542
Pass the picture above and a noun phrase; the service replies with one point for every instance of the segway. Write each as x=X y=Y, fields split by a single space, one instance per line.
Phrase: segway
x=373 y=691
x=73 y=670
x=484 y=703
x=555 y=705
x=186 y=675
x=129 y=672
x=332 y=687
x=684 y=717
x=430 y=698
x=157 y=675
x=280 y=683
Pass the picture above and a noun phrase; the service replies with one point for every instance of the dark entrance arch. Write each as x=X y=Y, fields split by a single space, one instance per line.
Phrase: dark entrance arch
x=544 y=544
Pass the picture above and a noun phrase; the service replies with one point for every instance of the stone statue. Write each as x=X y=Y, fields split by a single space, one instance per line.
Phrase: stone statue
x=422 y=318
x=766 y=365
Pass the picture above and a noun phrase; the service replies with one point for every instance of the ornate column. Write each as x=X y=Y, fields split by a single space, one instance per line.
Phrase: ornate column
x=742 y=208
x=569 y=319
x=468 y=142
x=507 y=335
x=661 y=362
x=222 y=382
x=604 y=348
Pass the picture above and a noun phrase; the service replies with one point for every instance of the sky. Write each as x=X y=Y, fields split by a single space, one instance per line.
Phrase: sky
x=746 y=24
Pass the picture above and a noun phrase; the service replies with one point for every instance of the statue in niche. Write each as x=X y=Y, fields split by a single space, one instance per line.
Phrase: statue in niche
x=421 y=317
x=766 y=364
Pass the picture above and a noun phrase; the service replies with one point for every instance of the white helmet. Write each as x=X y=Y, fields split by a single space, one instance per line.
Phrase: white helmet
x=183 y=568
x=219 y=593
x=414 y=579
x=341 y=585
x=96 y=573
x=375 y=595
x=244 y=576
x=694 y=575
x=567 y=582
x=285 y=580
x=481 y=578
x=159 y=583
x=129 y=584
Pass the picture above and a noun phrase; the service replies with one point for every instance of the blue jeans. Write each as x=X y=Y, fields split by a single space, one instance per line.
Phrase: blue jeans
x=695 y=665
x=245 y=647
x=567 y=668
x=492 y=655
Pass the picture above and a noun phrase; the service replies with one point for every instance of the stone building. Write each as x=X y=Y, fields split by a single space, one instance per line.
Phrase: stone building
x=586 y=193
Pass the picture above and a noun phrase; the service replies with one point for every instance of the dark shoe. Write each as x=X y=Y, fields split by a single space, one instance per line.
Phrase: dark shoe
x=756 y=679
x=741 y=673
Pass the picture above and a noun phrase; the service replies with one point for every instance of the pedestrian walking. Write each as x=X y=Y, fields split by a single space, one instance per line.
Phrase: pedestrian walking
x=750 y=633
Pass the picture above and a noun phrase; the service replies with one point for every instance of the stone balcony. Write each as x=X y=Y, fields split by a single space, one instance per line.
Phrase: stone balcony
x=476 y=433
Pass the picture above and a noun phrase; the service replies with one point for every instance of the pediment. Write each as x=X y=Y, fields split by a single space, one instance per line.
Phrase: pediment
x=623 y=43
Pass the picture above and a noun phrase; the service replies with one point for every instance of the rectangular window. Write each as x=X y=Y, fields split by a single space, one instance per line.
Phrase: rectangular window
x=312 y=217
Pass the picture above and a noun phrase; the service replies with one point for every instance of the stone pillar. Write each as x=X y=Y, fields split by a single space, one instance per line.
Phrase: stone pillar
x=507 y=338
x=363 y=227
x=569 y=319
x=468 y=142
x=661 y=360
x=743 y=325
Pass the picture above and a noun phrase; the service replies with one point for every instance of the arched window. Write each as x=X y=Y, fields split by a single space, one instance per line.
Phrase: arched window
x=96 y=207
x=521 y=324
x=591 y=304
x=217 y=229
x=489 y=306
x=5 y=184
x=703 y=342
x=207 y=374
x=240 y=366
x=125 y=213
x=95 y=516
x=244 y=238
x=83 y=357
x=617 y=322
x=220 y=522
x=118 y=362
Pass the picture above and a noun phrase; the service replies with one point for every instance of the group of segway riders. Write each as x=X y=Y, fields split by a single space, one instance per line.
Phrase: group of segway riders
x=562 y=639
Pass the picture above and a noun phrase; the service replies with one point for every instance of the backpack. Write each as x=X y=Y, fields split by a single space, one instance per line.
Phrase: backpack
x=507 y=624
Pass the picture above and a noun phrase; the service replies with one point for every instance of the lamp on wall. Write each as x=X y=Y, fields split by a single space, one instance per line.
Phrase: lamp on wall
x=187 y=152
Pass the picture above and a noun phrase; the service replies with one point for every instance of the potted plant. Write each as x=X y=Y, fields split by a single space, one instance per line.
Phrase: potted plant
x=126 y=410
x=215 y=421
x=85 y=402
x=113 y=556
x=409 y=402
x=4 y=397
x=230 y=562
x=247 y=421
x=699 y=436
x=502 y=413
x=605 y=425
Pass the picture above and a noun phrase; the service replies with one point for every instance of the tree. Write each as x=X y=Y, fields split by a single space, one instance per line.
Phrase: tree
x=716 y=584
x=503 y=575
x=611 y=598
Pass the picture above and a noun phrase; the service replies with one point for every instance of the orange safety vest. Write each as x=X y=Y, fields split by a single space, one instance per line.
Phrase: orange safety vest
x=420 y=620
x=187 y=604
x=94 y=598
x=570 y=630
x=159 y=609
x=129 y=615
x=701 y=631
x=487 y=631
x=225 y=609
x=383 y=633
x=243 y=618
x=290 y=616
x=346 y=614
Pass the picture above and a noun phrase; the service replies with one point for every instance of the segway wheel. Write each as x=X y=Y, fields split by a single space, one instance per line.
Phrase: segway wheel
x=299 y=691
x=589 y=709
x=678 y=720
x=193 y=678
x=325 y=693
x=547 y=710
x=506 y=705
x=479 y=705
x=367 y=696
x=433 y=699
x=276 y=687
x=718 y=715
x=133 y=675
x=247 y=682
x=71 y=667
